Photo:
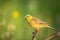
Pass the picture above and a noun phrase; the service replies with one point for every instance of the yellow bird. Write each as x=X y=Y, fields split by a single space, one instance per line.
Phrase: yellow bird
x=36 y=23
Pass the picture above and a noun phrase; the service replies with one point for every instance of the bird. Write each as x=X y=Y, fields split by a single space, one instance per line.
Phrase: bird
x=36 y=23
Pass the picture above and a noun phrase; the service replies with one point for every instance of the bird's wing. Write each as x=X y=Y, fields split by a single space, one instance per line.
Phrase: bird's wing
x=37 y=21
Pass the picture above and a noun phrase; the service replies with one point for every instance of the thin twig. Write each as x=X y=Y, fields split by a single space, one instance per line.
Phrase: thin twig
x=53 y=36
x=34 y=35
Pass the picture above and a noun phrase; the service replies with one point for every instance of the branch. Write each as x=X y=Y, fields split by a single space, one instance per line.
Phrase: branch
x=53 y=36
x=34 y=35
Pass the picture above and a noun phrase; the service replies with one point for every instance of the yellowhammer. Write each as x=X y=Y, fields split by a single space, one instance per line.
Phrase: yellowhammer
x=36 y=23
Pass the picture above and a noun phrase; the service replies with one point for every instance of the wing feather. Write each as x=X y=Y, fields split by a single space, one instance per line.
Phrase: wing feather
x=37 y=21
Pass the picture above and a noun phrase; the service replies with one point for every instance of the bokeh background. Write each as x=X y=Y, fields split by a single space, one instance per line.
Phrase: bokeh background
x=14 y=26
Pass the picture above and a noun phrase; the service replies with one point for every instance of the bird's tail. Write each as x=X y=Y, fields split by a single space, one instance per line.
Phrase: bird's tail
x=51 y=28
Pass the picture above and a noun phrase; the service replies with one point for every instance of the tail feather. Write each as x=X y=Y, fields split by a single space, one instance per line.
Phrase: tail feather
x=51 y=28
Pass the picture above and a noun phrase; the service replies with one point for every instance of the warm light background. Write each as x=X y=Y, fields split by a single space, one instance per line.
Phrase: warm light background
x=12 y=18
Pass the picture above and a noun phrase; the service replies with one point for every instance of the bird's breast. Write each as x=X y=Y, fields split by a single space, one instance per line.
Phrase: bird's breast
x=33 y=24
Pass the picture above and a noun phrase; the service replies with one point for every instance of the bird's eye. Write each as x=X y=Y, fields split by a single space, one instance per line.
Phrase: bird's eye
x=27 y=16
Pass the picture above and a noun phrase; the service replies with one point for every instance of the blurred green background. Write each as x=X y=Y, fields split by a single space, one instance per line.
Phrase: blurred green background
x=13 y=25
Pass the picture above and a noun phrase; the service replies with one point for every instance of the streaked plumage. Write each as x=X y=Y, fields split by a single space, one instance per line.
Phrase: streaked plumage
x=36 y=23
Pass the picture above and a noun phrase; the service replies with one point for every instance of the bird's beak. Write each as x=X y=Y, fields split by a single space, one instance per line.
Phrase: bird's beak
x=25 y=17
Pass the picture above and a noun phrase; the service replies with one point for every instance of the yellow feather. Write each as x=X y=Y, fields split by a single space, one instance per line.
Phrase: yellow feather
x=35 y=22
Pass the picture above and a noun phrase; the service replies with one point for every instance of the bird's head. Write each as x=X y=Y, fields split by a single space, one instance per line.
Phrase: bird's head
x=28 y=17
